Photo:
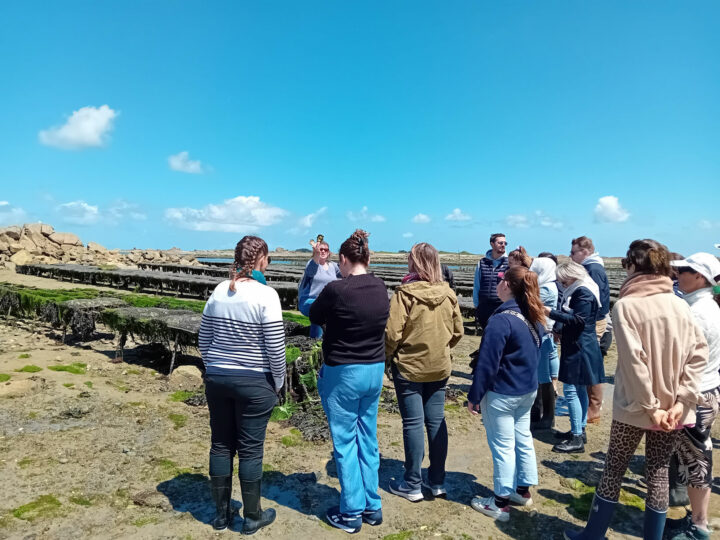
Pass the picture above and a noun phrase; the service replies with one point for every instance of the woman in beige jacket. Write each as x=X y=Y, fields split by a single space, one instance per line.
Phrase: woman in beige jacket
x=661 y=357
x=424 y=324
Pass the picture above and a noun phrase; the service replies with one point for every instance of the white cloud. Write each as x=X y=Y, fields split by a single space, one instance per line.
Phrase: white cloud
x=307 y=221
x=457 y=215
x=240 y=215
x=11 y=215
x=86 y=127
x=518 y=221
x=364 y=215
x=707 y=224
x=122 y=210
x=609 y=210
x=181 y=162
x=407 y=235
x=421 y=218
x=79 y=213
x=547 y=221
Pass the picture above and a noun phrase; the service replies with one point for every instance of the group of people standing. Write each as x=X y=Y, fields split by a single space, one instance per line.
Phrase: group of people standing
x=525 y=307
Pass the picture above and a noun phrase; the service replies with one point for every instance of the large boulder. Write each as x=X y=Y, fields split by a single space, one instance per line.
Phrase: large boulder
x=65 y=238
x=4 y=244
x=15 y=247
x=22 y=257
x=35 y=236
x=12 y=232
x=94 y=246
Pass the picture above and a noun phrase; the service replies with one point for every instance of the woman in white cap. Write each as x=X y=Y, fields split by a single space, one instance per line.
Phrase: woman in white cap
x=697 y=277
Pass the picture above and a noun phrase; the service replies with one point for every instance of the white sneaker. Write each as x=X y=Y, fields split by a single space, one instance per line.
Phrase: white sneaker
x=437 y=491
x=400 y=487
x=487 y=506
x=521 y=500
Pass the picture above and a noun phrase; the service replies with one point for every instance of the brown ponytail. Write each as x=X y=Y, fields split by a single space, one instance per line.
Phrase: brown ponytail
x=520 y=256
x=247 y=252
x=355 y=249
x=524 y=285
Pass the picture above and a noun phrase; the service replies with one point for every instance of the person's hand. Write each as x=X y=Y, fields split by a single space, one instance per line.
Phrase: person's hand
x=659 y=418
x=556 y=338
x=674 y=414
x=547 y=310
x=473 y=408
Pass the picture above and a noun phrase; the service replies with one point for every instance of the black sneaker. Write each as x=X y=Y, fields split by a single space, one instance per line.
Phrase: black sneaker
x=571 y=446
x=372 y=517
x=349 y=524
x=567 y=435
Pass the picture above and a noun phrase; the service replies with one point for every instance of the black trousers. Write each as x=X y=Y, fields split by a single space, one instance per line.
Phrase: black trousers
x=486 y=307
x=240 y=408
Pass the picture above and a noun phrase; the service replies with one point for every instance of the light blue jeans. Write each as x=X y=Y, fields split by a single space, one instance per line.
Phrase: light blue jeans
x=350 y=394
x=316 y=330
x=507 y=424
x=549 y=363
x=577 y=400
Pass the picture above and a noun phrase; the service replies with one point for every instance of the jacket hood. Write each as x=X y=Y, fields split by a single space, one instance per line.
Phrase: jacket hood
x=432 y=294
x=545 y=270
x=594 y=259
x=646 y=285
x=488 y=255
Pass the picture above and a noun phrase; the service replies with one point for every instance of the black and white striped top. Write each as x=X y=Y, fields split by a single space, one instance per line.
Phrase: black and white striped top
x=242 y=332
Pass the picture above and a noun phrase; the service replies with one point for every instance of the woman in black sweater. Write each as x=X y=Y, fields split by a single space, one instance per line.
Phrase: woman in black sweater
x=354 y=311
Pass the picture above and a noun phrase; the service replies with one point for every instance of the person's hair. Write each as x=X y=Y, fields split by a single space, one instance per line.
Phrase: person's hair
x=674 y=256
x=247 y=252
x=649 y=257
x=524 y=285
x=495 y=236
x=549 y=256
x=355 y=249
x=425 y=261
x=570 y=270
x=521 y=256
x=583 y=242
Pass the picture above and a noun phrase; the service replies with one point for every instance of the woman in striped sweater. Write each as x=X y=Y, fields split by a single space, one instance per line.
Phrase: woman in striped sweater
x=242 y=343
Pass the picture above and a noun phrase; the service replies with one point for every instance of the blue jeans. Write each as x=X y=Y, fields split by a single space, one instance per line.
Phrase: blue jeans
x=422 y=403
x=350 y=394
x=507 y=424
x=577 y=400
x=315 y=329
x=549 y=363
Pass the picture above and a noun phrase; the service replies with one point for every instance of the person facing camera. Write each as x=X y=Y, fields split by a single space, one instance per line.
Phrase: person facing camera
x=242 y=343
x=319 y=271
x=354 y=311
x=424 y=325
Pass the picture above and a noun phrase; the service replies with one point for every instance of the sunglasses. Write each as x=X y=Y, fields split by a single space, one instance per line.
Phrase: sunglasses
x=501 y=243
x=683 y=269
x=324 y=249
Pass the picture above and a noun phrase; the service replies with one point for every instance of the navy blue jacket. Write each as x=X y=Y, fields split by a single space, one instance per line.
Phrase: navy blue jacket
x=598 y=275
x=581 y=361
x=508 y=357
x=487 y=277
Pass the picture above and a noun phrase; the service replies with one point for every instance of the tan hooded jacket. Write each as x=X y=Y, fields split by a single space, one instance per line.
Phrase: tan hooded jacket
x=661 y=352
x=424 y=324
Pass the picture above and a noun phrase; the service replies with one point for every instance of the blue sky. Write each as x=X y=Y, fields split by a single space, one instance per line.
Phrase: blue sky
x=434 y=121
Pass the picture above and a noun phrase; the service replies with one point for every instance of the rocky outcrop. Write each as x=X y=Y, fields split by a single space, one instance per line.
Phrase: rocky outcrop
x=40 y=243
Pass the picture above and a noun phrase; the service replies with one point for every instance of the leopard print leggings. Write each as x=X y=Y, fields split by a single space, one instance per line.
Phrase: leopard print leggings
x=624 y=440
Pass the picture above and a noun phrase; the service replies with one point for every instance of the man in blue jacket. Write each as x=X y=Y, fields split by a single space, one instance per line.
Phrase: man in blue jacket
x=488 y=273
x=583 y=252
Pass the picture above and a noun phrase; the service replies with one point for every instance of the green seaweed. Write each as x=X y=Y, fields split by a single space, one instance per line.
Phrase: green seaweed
x=68 y=384
x=283 y=412
x=89 y=384
x=76 y=368
x=292 y=353
x=181 y=395
x=141 y=522
x=24 y=463
x=296 y=317
x=30 y=368
x=402 y=535
x=167 y=468
x=24 y=356
x=80 y=500
x=294 y=439
x=43 y=506
x=4 y=377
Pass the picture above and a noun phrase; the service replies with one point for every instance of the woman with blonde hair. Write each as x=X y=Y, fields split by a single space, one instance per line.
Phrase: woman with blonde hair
x=662 y=354
x=242 y=343
x=424 y=325
x=504 y=387
x=581 y=362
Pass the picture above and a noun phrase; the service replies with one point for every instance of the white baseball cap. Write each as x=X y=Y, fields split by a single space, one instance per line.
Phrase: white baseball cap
x=704 y=264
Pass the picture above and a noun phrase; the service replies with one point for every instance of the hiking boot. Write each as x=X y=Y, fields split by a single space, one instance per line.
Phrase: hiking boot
x=401 y=488
x=344 y=522
x=488 y=507
x=571 y=446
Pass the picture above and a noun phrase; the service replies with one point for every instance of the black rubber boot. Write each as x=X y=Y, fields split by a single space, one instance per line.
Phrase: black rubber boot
x=571 y=446
x=221 y=487
x=654 y=524
x=255 y=517
x=548 y=406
